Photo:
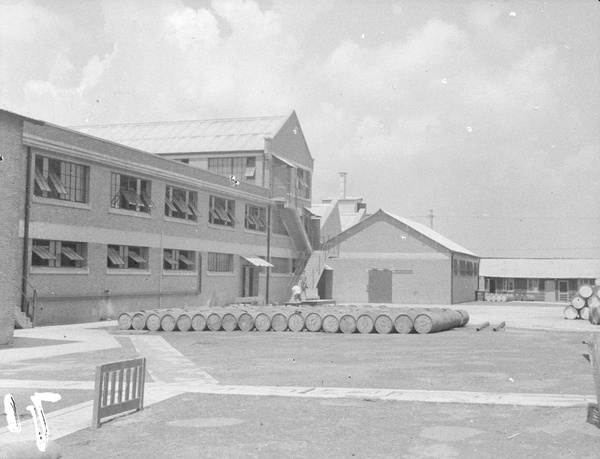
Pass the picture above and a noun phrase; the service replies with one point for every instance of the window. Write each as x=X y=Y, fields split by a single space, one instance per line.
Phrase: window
x=130 y=193
x=280 y=265
x=221 y=211
x=463 y=267
x=243 y=168
x=256 y=218
x=455 y=268
x=127 y=257
x=58 y=254
x=476 y=269
x=532 y=285
x=511 y=285
x=180 y=203
x=220 y=262
x=60 y=180
x=182 y=260
x=469 y=268
x=520 y=284
x=303 y=178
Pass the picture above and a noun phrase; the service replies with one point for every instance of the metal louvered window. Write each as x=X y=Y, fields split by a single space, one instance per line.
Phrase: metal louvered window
x=181 y=203
x=130 y=193
x=58 y=254
x=220 y=262
x=61 y=180
x=182 y=260
x=221 y=211
x=126 y=257
x=256 y=218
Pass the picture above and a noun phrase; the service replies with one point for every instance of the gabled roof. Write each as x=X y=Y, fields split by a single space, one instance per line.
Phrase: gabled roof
x=433 y=235
x=401 y=223
x=540 y=268
x=222 y=135
x=348 y=220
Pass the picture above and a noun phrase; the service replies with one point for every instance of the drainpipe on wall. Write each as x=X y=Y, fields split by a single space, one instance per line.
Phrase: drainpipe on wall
x=24 y=300
x=452 y=278
x=268 y=251
x=160 y=271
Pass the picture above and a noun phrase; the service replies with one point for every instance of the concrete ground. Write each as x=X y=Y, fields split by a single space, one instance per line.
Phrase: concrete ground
x=521 y=392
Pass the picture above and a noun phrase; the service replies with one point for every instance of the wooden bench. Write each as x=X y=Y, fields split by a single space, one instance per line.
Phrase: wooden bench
x=594 y=347
x=119 y=388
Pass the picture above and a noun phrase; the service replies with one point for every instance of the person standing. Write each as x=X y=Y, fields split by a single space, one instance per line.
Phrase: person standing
x=297 y=293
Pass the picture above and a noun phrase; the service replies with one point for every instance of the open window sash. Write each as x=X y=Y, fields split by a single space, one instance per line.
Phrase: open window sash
x=186 y=260
x=222 y=214
x=115 y=258
x=43 y=252
x=170 y=204
x=41 y=181
x=169 y=258
x=145 y=197
x=192 y=205
x=135 y=257
x=250 y=171
x=180 y=202
x=132 y=198
x=55 y=179
x=71 y=254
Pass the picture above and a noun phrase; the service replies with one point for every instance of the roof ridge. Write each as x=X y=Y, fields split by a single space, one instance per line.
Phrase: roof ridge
x=149 y=123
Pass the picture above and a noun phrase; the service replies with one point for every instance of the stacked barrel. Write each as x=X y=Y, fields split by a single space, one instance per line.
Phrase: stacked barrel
x=331 y=319
x=586 y=304
x=504 y=297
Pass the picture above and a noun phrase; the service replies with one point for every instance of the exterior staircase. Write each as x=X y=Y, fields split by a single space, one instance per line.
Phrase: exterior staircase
x=293 y=224
x=21 y=319
x=312 y=272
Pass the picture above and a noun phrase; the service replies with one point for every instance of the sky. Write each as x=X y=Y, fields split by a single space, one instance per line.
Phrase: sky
x=487 y=113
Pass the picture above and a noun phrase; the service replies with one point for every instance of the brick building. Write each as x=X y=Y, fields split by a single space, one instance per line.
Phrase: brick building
x=95 y=228
x=388 y=259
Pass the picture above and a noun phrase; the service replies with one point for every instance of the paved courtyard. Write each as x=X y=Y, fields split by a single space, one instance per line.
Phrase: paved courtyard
x=524 y=391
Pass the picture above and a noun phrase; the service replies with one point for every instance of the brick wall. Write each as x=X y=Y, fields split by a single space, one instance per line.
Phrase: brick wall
x=99 y=292
x=12 y=178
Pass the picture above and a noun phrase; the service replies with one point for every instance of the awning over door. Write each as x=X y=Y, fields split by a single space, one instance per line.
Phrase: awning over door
x=258 y=261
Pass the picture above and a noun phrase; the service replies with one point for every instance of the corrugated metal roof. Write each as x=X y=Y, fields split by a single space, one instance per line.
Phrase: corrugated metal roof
x=238 y=134
x=542 y=268
x=437 y=237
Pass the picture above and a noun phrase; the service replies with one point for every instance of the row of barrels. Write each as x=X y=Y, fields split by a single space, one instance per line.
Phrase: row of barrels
x=503 y=297
x=349 y=319
x=585 y=305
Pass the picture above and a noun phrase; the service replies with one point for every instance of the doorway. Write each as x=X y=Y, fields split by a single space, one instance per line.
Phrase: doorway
x=250 y=281
x=563 y=291
x=380 y=286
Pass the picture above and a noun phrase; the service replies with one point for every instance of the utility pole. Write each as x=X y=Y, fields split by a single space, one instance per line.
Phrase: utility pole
x=431 y=216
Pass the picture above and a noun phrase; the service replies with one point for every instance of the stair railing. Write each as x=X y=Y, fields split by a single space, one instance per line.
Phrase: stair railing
x=29 y=302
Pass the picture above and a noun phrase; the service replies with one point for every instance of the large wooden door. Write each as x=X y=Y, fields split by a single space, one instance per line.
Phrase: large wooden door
x=380 y=286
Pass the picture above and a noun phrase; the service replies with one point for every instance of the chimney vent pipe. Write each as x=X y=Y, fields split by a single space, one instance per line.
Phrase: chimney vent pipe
x=343 y=185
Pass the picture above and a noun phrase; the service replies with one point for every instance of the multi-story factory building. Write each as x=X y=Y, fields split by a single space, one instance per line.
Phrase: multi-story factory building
x=92 y=227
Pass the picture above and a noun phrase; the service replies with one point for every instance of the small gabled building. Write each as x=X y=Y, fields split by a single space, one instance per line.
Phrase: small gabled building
x=385 y=258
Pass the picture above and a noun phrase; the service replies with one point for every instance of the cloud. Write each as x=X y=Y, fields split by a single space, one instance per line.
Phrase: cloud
x=390 y=72
x=188 y=27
